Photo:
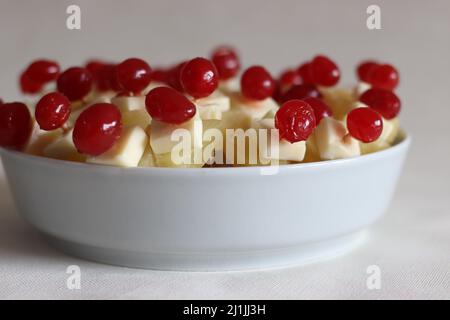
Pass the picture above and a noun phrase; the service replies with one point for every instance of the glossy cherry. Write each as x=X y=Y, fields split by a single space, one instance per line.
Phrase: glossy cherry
x=321 y=109
x=324 y=71
x=304 y=71
x=199 y=77
x=257 y=83
x=364 y=124
x=295 y=120
x=290 y=78
x=106 y=79
x=173 y=76
x=97 y=129
x=226 y=61
x=75 y=83
x=300 y=92
x=134 y=75
x=94 y=66
x=15 y=125
x=160 y=75
x=364 y=69
x=43 y=71
x=28 y=86
x=168 y=105
x=52 y=111
x=383 y=101
x=102 y=74
x=383 y=76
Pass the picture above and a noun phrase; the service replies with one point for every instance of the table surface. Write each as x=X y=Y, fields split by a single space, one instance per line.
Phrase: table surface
x=410 y=244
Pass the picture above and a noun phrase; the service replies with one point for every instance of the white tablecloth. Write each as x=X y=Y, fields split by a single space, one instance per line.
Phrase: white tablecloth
x=410 y=245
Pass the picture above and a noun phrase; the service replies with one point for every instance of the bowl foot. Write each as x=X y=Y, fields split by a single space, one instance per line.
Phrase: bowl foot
x=252 y=260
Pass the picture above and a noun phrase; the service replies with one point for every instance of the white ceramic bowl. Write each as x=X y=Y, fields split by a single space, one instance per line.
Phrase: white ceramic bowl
x=204 y=219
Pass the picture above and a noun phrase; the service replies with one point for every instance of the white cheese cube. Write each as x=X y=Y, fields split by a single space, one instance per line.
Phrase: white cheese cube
x=63 y=148
x=253 y=109
x=125 y=103
x=39 y=139
x=231 y=85
x=333 y=142
x=361 y=87
x=161 y=134
x=148 y=158
x=127 y=151
x=286 y=150
x=139 y=118
x=385 y=140
x=153 y=85
x=212 y=107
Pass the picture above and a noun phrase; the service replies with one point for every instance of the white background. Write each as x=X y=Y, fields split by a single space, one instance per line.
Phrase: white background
x=411 y=244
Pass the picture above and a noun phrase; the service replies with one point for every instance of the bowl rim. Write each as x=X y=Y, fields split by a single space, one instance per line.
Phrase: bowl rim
x=403 y=143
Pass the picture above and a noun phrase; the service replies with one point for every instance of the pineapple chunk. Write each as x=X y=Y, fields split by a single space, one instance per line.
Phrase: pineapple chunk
x=127 y=151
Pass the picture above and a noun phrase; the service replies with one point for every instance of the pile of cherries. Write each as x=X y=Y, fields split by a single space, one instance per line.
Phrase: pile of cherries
x=99 y=126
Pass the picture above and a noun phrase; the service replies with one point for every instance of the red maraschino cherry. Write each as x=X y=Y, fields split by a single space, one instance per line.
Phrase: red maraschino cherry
x=364 y=124
x=321 y=109
x=383 y=76
x=364 y=68
x=97 y=129
x=301 y=91
x=324 y=71
x=134 y=75
x=383 y=101
x=295 y=121
x=289 y=78
x=43 y=71
x=257 y=83
x=226 y=61
x=75 y=83
x=15 y=125
x=199 y=77
x=168 y=105
x=52 y=111
x=28 y=86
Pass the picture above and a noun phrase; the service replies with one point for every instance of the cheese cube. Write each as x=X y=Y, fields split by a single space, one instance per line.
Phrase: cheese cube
x=212 y=107
x=63 y=148
x=39 y=139
x=385 y=140
x=333 y=142
x=161 y=134
x=127 y=151
x=125 y=103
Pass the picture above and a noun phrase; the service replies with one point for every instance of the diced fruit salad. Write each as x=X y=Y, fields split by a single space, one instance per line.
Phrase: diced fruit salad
x=125 y=114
